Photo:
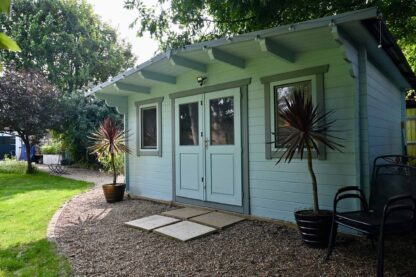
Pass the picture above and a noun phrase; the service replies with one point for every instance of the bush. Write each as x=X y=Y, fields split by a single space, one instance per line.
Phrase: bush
x=105 y=162
x=53 y=146
x=11 y=165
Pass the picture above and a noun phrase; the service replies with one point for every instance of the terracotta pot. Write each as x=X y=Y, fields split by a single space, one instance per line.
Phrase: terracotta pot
x=114 y=193
x=314 y=228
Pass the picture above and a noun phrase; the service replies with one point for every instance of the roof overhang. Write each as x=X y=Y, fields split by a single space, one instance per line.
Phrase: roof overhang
x=283 y=43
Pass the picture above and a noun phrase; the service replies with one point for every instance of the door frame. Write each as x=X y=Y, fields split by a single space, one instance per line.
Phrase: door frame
x=243 y=85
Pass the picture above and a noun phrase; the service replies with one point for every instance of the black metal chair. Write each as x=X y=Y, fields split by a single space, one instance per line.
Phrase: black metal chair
x=392 y=208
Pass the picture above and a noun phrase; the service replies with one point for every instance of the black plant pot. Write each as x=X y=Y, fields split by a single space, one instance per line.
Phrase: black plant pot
x=314 y=228
x=114 y=193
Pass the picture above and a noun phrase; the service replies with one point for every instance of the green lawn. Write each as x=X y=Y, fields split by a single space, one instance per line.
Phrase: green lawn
x=27 y=203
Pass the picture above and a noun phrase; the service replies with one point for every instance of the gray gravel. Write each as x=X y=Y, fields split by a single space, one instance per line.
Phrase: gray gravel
x=91 y=233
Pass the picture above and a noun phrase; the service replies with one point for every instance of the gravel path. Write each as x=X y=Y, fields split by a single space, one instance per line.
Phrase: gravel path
x=91 y=233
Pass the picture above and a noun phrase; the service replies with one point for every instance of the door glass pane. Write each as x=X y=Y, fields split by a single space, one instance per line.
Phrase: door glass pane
x=188 y=124
x=222 y=120
x=149 y=129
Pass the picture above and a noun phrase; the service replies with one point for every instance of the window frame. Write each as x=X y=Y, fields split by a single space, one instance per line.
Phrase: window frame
x=143 y=105
x=273 y=112
x=313 y=74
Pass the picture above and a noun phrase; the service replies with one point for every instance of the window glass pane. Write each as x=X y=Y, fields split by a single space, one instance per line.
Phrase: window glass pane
x=280 y=93
x=188 y=124
x=149 y=128
x=222 y=120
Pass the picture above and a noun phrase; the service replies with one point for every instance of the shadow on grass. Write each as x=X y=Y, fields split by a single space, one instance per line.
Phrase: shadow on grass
x=12 y=184
x=37 y=258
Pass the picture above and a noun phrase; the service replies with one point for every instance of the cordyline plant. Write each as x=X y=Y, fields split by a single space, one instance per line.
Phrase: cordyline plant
x=307 y=128
x=109 y=139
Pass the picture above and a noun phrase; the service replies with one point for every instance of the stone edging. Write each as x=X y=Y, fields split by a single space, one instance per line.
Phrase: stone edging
x=50 y=231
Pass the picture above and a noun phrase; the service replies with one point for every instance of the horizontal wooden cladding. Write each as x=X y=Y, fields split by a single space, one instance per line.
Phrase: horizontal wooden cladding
x=294 y=74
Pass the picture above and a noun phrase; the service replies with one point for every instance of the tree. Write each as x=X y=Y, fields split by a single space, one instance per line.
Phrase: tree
x=29 y=105
x=75 y=49
x=6 y=42
x=67 y=41
x=203 y=20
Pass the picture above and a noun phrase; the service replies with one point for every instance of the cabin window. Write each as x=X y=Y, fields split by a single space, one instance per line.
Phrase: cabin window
x=148 y=129
x=276 y=88
x=149 y=114
x=280 y=92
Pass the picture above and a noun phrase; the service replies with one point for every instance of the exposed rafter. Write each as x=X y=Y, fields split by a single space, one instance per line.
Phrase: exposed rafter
x=217 y=54
x=159 y=77
x=184 y=62
x=283 y=53
x=131 y=88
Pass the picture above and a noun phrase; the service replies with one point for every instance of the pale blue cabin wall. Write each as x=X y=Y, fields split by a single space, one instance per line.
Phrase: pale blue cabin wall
x=275 y=191
x=384 y=112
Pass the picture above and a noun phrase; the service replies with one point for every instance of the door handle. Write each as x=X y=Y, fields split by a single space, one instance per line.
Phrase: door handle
x=206 y=143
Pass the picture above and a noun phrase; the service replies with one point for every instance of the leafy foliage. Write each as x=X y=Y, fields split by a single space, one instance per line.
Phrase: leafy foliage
x=5 y=41
x=105 y=162
x=84 y=114
x=204 y=20
x=11 y=165
x=67 y=41
x=29 y=105
x=74 y=48
x=307 y=129
x=53 y=146
x=109 y=140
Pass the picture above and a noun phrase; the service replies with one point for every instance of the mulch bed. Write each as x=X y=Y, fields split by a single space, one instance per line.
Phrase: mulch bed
x=92 y=235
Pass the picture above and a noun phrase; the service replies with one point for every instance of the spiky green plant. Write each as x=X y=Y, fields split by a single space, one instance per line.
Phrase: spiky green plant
x=109 y=140
x=307 y=128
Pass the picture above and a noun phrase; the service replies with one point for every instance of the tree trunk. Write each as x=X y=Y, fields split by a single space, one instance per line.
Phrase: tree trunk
x=29 y=169
x=314 y=184
x=113 y=165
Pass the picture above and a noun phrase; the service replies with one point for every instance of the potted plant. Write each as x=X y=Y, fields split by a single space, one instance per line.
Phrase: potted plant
x=109 y=140
x=307 y=128
x=52 y=152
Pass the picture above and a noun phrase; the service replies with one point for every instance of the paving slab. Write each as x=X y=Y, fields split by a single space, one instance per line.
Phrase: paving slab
x=217 y=219
x=152 y=222
x=186 y=213
x=185 y=230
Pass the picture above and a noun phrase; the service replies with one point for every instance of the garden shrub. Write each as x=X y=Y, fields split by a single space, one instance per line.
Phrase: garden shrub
x=105 y=162
x=53 y=146
x=11 y=165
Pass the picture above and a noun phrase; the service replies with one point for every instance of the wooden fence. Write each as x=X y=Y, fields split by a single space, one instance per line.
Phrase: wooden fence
x=411 y=131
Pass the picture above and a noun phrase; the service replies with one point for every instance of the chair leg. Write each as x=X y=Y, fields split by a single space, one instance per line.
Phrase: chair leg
x=332 y=237
x=380 y=256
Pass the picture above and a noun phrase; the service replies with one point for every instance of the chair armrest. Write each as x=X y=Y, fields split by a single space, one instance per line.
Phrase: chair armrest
x=401 y=202
x=341 y=195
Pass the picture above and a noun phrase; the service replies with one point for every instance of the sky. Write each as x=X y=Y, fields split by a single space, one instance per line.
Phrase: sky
x=113 y=12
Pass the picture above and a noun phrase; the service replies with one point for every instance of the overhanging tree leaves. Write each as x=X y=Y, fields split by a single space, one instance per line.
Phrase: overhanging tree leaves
x=6 y=42
x=29 y=105
x=203 y=20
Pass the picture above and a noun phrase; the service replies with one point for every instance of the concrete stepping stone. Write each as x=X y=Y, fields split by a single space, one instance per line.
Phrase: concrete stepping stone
x=185 y=230
x=186 y=213
x=152 y=222
x=217 y=219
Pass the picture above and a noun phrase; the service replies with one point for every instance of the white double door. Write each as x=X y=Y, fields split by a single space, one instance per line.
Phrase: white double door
x=208 y=147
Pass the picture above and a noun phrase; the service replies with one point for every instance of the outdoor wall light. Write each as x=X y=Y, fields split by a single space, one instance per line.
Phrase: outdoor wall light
x=201 y=80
